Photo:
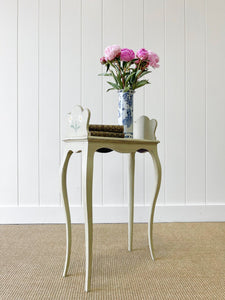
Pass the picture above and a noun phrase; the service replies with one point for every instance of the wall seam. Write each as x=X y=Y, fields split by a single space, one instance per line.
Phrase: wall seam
x=123 y=158
x=102 y=107
x=81 y=74
x=60 y=90
x=206 y=74
x=38 y=100
x=186 y=103
x=164 y=113
x=17 y=99
x=145 y=157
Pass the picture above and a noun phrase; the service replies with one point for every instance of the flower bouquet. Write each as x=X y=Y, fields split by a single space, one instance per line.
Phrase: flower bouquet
x=127 y=71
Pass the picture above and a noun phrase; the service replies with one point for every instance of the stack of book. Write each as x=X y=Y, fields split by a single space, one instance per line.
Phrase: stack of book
x=115 y=131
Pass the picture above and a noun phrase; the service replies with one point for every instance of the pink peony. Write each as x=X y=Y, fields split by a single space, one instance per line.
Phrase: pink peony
x=142 y=54
x=127 y=54
x=112 y=52
x=102 y=60
x=153 y=59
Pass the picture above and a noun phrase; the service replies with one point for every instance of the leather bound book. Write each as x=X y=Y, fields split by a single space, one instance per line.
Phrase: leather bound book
x=108 y=128
x=107 y=134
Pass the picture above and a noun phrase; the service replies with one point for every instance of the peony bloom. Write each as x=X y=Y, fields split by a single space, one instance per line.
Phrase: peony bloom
x=142 y=54
x=127 y=54
x=153 y=59
x=102 y=60
x=112 y=52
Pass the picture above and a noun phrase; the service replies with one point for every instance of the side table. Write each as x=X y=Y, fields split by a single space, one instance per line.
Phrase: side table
x=88 y=145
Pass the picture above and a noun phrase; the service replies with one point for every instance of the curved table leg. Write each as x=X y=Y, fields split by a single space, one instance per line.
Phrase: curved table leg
x=87 y=177
x=67 y=210
x=158 y=172
x=131 y=199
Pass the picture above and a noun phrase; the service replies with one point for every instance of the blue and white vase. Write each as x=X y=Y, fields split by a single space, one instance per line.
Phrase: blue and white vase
x=125 y=112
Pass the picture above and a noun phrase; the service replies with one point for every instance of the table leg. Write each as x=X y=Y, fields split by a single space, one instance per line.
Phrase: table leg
x=131 y=199
x=158 y=172
x=67 y=209
x=87 y=177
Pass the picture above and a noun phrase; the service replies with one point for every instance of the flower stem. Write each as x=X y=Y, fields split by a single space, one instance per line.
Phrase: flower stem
x=121 y=74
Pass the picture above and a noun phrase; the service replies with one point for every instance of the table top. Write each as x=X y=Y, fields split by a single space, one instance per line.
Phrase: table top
x=110 y=140
x=108 y=144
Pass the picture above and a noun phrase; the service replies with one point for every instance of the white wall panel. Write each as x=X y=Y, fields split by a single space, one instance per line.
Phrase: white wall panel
x=28 y=103
x=195 y=25
x=8 y=102
x=49 y=61
x=113 y=181
x=134 y=8
x=175 y=104
x=154 y=39
x=49 y=147
x=215 y=105
x=91 y=82
x=70 y=88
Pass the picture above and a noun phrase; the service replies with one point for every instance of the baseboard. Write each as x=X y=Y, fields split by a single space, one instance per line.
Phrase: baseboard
x=163 y=213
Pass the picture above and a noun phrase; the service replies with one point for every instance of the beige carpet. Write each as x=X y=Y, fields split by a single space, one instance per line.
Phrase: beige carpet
x=190 y=262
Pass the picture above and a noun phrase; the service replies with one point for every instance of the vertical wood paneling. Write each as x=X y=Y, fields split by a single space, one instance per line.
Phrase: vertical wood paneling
x=175 y=118
x=49 y=101
x=154 y=38
x=195 y=93
x=215 y=49
x=113 y=183
x=8 y=102
x=134 y=8
x=49 y=61
x=91 y=82
x=71 y=84
x=28 y=102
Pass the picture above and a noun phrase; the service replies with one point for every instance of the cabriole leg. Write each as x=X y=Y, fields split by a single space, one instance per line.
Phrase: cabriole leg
x=87 y=177
x=131 y=199
x=158 y=175
x=67 y=209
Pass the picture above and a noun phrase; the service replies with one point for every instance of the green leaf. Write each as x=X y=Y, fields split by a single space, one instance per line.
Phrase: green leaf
x=126 y=89
x=135 y=59
x=141 y=83
x=138 y=72
x=132 y=80
x=119 y=80
x=115 y=66
x=110 y=89
x=145 y=73
x=105 y=74
x=114 y=76
x=117 y=77
x=129 y=77
x=114 y=85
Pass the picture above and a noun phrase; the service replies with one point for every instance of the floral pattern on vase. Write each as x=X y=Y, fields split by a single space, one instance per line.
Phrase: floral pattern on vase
x=125 y=112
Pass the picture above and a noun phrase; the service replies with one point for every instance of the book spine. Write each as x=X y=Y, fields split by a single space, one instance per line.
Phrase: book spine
x=107 y=134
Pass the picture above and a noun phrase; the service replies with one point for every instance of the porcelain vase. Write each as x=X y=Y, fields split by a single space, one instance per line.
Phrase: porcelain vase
x=125 y=112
